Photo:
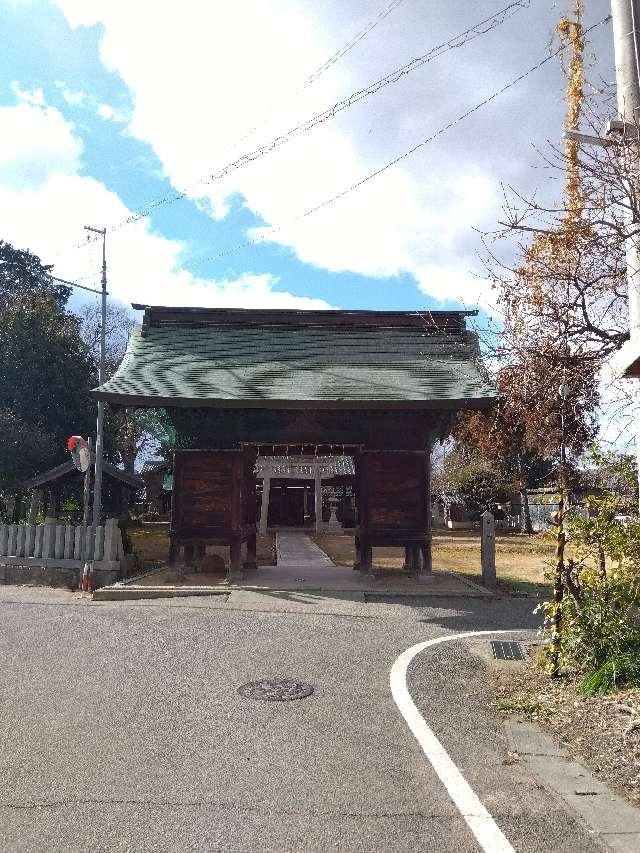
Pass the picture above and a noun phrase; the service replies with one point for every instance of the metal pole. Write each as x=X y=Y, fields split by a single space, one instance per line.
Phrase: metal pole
x=87 y=488
x=626 y=40
x=626 y=19
x=97 y=481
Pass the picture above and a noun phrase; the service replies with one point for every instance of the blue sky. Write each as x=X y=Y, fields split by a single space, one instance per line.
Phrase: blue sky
x=107 y=106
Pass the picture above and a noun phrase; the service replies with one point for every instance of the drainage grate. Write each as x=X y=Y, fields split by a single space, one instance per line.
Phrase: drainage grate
x=507 y=651
x=277 y=690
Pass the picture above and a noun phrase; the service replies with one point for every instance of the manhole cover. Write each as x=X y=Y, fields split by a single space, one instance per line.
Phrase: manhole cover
x=507 y=651
x=277 y=690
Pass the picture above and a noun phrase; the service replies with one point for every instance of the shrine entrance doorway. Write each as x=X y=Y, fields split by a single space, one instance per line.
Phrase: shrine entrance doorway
x=301 y=489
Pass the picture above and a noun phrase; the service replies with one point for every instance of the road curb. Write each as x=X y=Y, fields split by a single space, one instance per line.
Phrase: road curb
x=614 y=821
x=130 y=592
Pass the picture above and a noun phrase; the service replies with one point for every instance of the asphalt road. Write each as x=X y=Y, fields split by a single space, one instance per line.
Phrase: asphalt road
x=121 y=728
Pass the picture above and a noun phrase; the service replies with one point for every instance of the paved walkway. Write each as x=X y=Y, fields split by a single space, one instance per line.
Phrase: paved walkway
x=296 y=548
x=302 y=565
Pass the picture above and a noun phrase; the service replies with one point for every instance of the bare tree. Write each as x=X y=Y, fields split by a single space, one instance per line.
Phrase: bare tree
x=133 y=431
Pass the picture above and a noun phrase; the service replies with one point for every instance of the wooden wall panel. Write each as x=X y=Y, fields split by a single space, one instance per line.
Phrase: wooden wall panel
x=208 y=487
x=393 y=490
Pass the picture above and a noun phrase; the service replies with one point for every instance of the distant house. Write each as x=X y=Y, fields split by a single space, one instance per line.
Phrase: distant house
x=543 y=506
x=450 y=510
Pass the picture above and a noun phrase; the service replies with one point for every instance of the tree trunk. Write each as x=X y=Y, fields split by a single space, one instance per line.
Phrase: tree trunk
x=525 y=519
x=526 y=526
x=558 y=590
x=17 y=507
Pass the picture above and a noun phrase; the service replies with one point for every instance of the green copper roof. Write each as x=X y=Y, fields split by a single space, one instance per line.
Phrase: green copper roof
x=234 y=358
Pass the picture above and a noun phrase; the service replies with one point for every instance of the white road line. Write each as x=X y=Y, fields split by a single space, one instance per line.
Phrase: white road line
x=486 y=830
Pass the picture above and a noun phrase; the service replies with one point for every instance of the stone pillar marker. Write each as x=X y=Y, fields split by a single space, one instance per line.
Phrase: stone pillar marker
x=264 y=507
x=318 y=500
x=334 y=525
x=488 y=549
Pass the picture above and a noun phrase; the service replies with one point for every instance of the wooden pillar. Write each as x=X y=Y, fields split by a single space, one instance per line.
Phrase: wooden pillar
x=235 y=557
x=357 y=565
x=264 y=510
x=427 y=561
x=366 y=558
x=252 y=560
x=318 y=500
x=408 y=559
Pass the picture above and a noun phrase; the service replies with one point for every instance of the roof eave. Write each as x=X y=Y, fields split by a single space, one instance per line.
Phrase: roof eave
x=483 y=402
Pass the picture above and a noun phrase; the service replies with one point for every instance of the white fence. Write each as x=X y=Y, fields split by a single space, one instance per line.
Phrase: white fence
x=66 y=546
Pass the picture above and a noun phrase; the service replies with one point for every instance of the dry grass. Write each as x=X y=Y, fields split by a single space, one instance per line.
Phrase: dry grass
x=520 y=559
x=151 y=545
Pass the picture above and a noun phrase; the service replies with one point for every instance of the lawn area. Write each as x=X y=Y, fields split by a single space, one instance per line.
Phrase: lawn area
x=520 y=559
x=150 y=543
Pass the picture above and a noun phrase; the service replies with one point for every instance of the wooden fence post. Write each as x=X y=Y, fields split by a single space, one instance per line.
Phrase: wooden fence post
x=488 y=549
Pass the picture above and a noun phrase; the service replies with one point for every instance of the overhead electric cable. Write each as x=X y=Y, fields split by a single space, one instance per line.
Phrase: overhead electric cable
x=470 y=34
x=480 y=29
x=331 y=61
x=483 y=103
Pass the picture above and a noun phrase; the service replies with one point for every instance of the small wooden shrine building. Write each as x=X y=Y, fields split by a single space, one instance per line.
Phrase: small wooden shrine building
x=378 y=386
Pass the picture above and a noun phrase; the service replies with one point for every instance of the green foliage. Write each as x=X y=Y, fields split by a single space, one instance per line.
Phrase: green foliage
x=45 y=370
x=600 y=634
x=616 y=672
x=480 y=483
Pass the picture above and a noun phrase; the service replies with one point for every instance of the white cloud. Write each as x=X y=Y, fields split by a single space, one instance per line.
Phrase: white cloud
x=35 y=97
x=200 y=76
x=35 y=143
x=74 y=99
x=109 y=113
x=77 y=98
x=44 y=204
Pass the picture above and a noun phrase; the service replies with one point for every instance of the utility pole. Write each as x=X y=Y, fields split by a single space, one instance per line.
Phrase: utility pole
x=626 y=39
x=99 y=452
x=625 y=16
x=626 y=43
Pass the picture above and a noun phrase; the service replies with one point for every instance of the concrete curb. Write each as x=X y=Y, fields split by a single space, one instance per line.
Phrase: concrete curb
x=612 y=819
x=126 y=592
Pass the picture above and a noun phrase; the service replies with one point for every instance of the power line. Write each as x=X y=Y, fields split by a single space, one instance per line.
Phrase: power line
x=470 y=34
x=398 y=159
x=331 y=61
x=382 y=14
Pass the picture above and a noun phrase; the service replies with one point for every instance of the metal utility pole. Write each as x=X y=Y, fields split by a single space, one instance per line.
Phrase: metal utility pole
x=626 y=40
x=626 y=43
x=97 y=478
